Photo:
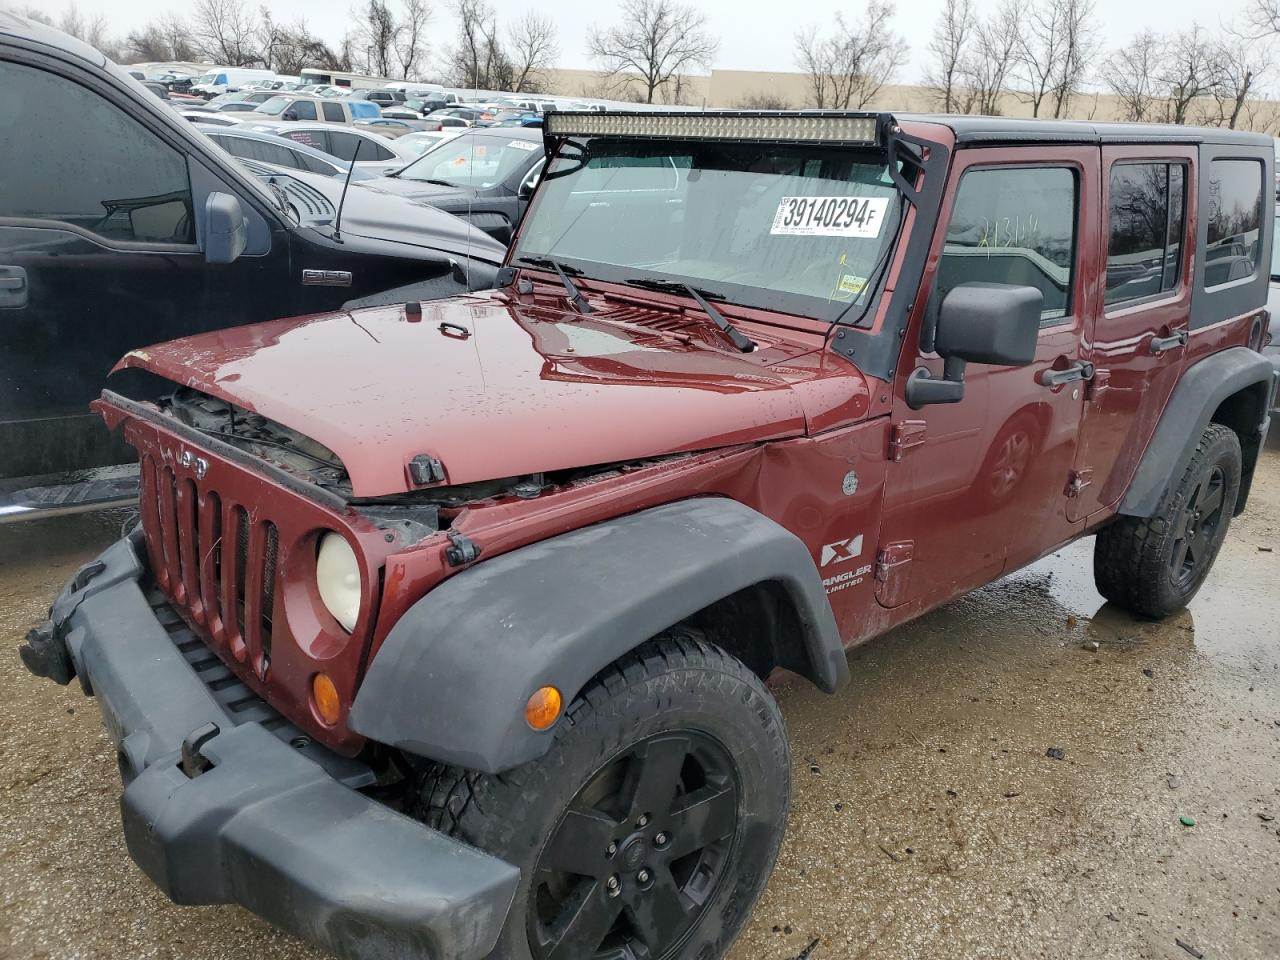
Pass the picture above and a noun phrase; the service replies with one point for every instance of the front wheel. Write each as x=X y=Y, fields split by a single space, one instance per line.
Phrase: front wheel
x=649 y=828
x=1154 y=565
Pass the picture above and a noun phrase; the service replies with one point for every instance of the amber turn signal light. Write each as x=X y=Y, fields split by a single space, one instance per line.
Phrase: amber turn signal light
x=543 y=708
x=325 y=695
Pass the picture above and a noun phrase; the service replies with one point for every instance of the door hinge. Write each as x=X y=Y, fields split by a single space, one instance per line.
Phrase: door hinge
x=1077 y=480
x=905 y=435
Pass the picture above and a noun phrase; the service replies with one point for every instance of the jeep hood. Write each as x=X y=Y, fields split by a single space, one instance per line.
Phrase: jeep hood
x=491 y=388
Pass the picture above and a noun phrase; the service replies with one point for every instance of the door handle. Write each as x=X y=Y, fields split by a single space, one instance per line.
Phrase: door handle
x=1173 y=342
x=1080 y=370
x=13 y=287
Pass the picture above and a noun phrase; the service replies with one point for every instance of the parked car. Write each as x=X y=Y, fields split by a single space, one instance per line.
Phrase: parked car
x=226 y=80
x=293 y=108
x=174 y=82
x=121 y=225
x=1271 y=343
x=383 y=98
x=425 y=105
x=255 y=97
x=485 y=175
x=379 y=155
x=211 y=118
x=390 y=128
x=444 y=120
x=281 y=152
x=420 y=143
x=526 y=559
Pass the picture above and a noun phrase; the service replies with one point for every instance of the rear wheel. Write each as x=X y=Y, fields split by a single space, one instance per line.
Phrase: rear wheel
x=650 y=827
x=1154 y=566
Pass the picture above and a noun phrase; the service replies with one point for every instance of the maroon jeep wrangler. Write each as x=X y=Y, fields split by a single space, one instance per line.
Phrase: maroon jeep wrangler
x=446 y=627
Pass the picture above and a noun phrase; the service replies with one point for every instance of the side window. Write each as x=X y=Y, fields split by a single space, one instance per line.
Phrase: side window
x=311 y=138
x=343 y=146
x=375 y=151
x=1145 y=229
x=1014 y=225
x=129 y=186
x=305 y=109
x=333 y=112
x=1234 y=210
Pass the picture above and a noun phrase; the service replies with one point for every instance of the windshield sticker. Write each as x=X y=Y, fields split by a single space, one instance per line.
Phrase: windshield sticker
x=523 y=145
x=830 y=216
x=850 y=284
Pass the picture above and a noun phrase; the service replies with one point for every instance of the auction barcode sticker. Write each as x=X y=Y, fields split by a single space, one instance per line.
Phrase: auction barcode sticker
x=830 y=216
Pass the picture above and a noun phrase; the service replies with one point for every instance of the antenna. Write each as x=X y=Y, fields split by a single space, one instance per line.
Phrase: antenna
x=337 y=220
x=471 y=173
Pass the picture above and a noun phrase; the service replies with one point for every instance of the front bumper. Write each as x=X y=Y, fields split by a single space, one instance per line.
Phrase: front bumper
x=225 y=802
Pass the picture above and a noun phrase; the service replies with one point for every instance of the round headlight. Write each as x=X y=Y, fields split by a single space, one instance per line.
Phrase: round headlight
x=338 y=580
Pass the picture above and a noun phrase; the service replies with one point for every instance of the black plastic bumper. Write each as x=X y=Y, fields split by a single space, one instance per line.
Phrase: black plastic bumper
x=273 y=828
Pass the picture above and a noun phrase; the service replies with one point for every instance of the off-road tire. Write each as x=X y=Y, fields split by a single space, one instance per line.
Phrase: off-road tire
x=1133 y=558
x=670 y=685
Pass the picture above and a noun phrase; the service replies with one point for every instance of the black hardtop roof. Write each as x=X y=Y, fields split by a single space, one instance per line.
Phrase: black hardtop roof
x=998 y=130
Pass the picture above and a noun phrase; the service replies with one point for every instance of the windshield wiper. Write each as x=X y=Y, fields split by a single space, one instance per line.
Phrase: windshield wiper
x=736 y=336
x=575 y=295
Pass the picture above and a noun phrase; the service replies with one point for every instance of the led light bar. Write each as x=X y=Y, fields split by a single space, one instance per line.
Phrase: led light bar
x=785 y=127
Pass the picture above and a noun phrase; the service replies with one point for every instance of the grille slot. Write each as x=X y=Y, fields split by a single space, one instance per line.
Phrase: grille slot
x=214 y=562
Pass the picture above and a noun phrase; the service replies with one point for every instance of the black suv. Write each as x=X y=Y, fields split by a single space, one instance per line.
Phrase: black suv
x=122 y=225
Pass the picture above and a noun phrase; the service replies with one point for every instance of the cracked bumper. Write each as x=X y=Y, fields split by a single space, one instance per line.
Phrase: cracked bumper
x=278 y=830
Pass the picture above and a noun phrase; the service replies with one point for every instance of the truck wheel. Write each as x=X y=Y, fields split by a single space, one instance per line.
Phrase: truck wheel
x=1153 y=566
x=651 y=825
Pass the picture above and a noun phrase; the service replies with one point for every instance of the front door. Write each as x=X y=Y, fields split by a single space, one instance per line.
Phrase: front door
x=1138 y=342
x=98 y=247
x=980 y=486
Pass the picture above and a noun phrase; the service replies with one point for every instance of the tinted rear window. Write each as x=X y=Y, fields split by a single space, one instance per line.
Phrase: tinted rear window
x=1145 y=231
x=1234 y=211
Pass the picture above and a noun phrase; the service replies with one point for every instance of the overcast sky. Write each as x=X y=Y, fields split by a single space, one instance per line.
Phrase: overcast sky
x=752 y=36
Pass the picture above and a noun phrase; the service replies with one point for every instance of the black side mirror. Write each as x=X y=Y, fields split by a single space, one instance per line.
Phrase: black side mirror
x=224 y=228
x=993 y=323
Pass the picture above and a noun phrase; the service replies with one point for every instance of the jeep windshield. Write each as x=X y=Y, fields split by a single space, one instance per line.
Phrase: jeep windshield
x=803 y=229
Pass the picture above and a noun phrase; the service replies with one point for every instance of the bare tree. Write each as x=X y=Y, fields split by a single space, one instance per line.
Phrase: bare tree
x=762 y=101
x=224 y=31
x=1241 y=67
x=1188 y=71
x=412 y=45
x=376 y=34
x=1079 y=51
x=533 y=51
x=657 y=41
x=985 y=67
x=478 y=60
x=1130 y=74
x=847 y=66
x=952 y=37
x=166 y=39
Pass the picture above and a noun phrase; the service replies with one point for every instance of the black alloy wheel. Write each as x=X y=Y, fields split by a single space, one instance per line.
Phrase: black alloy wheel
x=639 y=853
x=648 y=829
x=1196 y=535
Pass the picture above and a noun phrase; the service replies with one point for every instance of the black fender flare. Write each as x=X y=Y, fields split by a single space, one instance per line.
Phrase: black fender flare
x=1199 y=393
x=451 y=680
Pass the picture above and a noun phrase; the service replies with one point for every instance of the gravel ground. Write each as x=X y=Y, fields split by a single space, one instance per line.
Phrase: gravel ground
x=927 y=819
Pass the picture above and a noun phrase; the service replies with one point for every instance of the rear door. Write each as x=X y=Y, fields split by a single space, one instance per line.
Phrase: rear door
x=98 y=249
x=1137 y=344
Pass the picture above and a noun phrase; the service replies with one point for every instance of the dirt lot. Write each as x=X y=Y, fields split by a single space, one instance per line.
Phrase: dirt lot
x=927 y=821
